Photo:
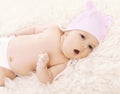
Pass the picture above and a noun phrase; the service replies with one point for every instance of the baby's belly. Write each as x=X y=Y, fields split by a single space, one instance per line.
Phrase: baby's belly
x=20 y=66
x=23 y=55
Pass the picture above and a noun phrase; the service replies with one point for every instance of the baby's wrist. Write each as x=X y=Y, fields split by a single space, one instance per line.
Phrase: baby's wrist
x=12 y=34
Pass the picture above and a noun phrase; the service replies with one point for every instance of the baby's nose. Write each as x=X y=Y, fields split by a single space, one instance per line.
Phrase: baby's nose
x=76 y=51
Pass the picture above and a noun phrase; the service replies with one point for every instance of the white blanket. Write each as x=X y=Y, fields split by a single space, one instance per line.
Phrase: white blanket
x=99 y=73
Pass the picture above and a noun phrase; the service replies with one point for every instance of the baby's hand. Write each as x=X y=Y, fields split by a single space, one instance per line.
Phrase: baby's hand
x=10 y=34
x=42 y=60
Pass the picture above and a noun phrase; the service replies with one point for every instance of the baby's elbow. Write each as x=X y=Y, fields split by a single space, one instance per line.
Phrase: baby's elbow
x=47 y=81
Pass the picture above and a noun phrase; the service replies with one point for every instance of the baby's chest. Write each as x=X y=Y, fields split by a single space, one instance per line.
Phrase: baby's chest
x=49 y=42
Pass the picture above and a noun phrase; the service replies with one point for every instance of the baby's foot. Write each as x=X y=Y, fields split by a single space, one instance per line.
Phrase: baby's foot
x=42 y=60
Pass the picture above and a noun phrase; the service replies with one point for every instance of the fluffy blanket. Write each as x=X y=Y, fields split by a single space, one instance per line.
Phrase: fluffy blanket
x=99 y=73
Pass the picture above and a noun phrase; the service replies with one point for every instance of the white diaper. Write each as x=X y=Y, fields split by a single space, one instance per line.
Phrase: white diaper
x=4 y=41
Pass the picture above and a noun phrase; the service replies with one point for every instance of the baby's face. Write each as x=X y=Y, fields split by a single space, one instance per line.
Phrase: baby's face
x=78 y=44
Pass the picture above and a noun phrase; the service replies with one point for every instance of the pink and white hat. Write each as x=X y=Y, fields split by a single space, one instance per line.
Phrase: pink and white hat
x=92 y=21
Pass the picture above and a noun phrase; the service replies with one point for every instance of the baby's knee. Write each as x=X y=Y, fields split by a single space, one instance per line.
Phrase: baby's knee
x=2 y=76
x=2 y=72
x=5 y=73
x=1 y=81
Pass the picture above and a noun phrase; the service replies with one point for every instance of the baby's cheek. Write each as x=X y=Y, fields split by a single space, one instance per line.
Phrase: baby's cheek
x=85 y=53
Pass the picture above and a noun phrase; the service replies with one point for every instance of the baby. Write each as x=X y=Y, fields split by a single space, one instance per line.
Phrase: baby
x=46 y=50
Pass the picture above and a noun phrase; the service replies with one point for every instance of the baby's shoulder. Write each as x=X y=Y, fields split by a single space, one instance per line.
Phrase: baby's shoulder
x=54 y=28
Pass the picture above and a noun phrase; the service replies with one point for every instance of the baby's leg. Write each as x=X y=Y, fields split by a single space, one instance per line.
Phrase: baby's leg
x=4 y=72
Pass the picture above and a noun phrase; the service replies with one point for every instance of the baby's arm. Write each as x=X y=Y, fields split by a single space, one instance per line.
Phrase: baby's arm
x=45 y=74
x=32 y=30
x=28 y=31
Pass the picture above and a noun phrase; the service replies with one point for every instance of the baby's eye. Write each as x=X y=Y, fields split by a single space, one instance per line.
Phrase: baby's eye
x=90 y=47
x=82 y=36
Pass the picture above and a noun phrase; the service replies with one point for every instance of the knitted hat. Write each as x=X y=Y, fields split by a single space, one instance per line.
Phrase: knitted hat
x=92 y=21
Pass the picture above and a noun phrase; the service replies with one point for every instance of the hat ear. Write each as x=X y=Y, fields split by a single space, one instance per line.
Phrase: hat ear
x=108 y=21
x=90 y=5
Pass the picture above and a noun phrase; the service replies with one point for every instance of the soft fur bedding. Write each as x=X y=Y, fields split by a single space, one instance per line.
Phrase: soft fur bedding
x=99 y=73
